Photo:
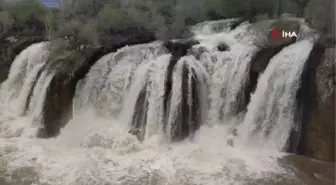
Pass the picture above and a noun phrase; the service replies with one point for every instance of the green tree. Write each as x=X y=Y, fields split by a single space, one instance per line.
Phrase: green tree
x=26 y=9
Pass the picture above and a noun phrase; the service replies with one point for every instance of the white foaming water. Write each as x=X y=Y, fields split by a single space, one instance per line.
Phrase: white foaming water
x=150 y=76
x=109 y=79
x=212 y=27
x=196 y=71
x=92 y=150
x=15 y=90
x=95 y=148
x=229 y=72
x=270 y=116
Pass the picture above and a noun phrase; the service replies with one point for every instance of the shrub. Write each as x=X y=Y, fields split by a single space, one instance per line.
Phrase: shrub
x=6 y=22
x=78 y=34
x=52 y=21
x=26 y=9
x=111 y=17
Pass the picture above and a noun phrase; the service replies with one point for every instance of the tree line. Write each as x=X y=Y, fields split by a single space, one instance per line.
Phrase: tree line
x=88 y=21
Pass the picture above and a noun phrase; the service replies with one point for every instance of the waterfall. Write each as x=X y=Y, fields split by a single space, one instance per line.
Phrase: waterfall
x=144 y=116
x=146 y=98
x=109 y=79
x=28 y=80
x=15 y=90
x=229 y=72
x=270 y=116
x=187 y=98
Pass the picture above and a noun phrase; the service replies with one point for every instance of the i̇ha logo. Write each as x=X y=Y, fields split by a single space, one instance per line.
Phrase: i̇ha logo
x=277 y=34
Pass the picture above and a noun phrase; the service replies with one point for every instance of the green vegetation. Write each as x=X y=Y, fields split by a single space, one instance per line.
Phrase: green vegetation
x=94 y=23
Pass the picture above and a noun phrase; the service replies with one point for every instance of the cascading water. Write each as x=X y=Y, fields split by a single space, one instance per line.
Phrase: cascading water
x=212 y=27
x=270 y=116
x=109 y=79
x=229 y=72
x=15 y=90
x=187 y=105
x=125 y=92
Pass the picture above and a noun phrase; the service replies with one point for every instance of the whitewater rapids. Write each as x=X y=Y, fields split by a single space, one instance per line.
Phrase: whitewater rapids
x=94 y=148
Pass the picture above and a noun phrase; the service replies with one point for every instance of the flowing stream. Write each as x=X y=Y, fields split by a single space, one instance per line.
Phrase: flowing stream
x=126 y=90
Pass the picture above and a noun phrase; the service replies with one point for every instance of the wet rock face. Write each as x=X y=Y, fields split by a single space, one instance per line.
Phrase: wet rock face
x=318 y=119
x=177 y=50
x=58 y=105
x=189 y=120
x=189 y=114
x=57 y=109
x=304 y=101
x=140 y=114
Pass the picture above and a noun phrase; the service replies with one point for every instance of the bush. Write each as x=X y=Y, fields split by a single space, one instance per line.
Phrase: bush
x=229 y=8
x=88 y=22
x=110 y=17
x=26 y=9
x=78 y=34
x=52 y=22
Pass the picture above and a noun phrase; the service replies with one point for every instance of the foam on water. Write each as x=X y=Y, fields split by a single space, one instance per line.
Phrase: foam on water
x=94 y=148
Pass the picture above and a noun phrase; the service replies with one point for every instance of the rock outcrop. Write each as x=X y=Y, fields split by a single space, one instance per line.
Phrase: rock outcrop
x=57 y=109
x=318 y=106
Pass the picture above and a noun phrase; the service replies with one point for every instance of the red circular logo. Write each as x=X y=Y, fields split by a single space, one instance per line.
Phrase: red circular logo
x=276 y=34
